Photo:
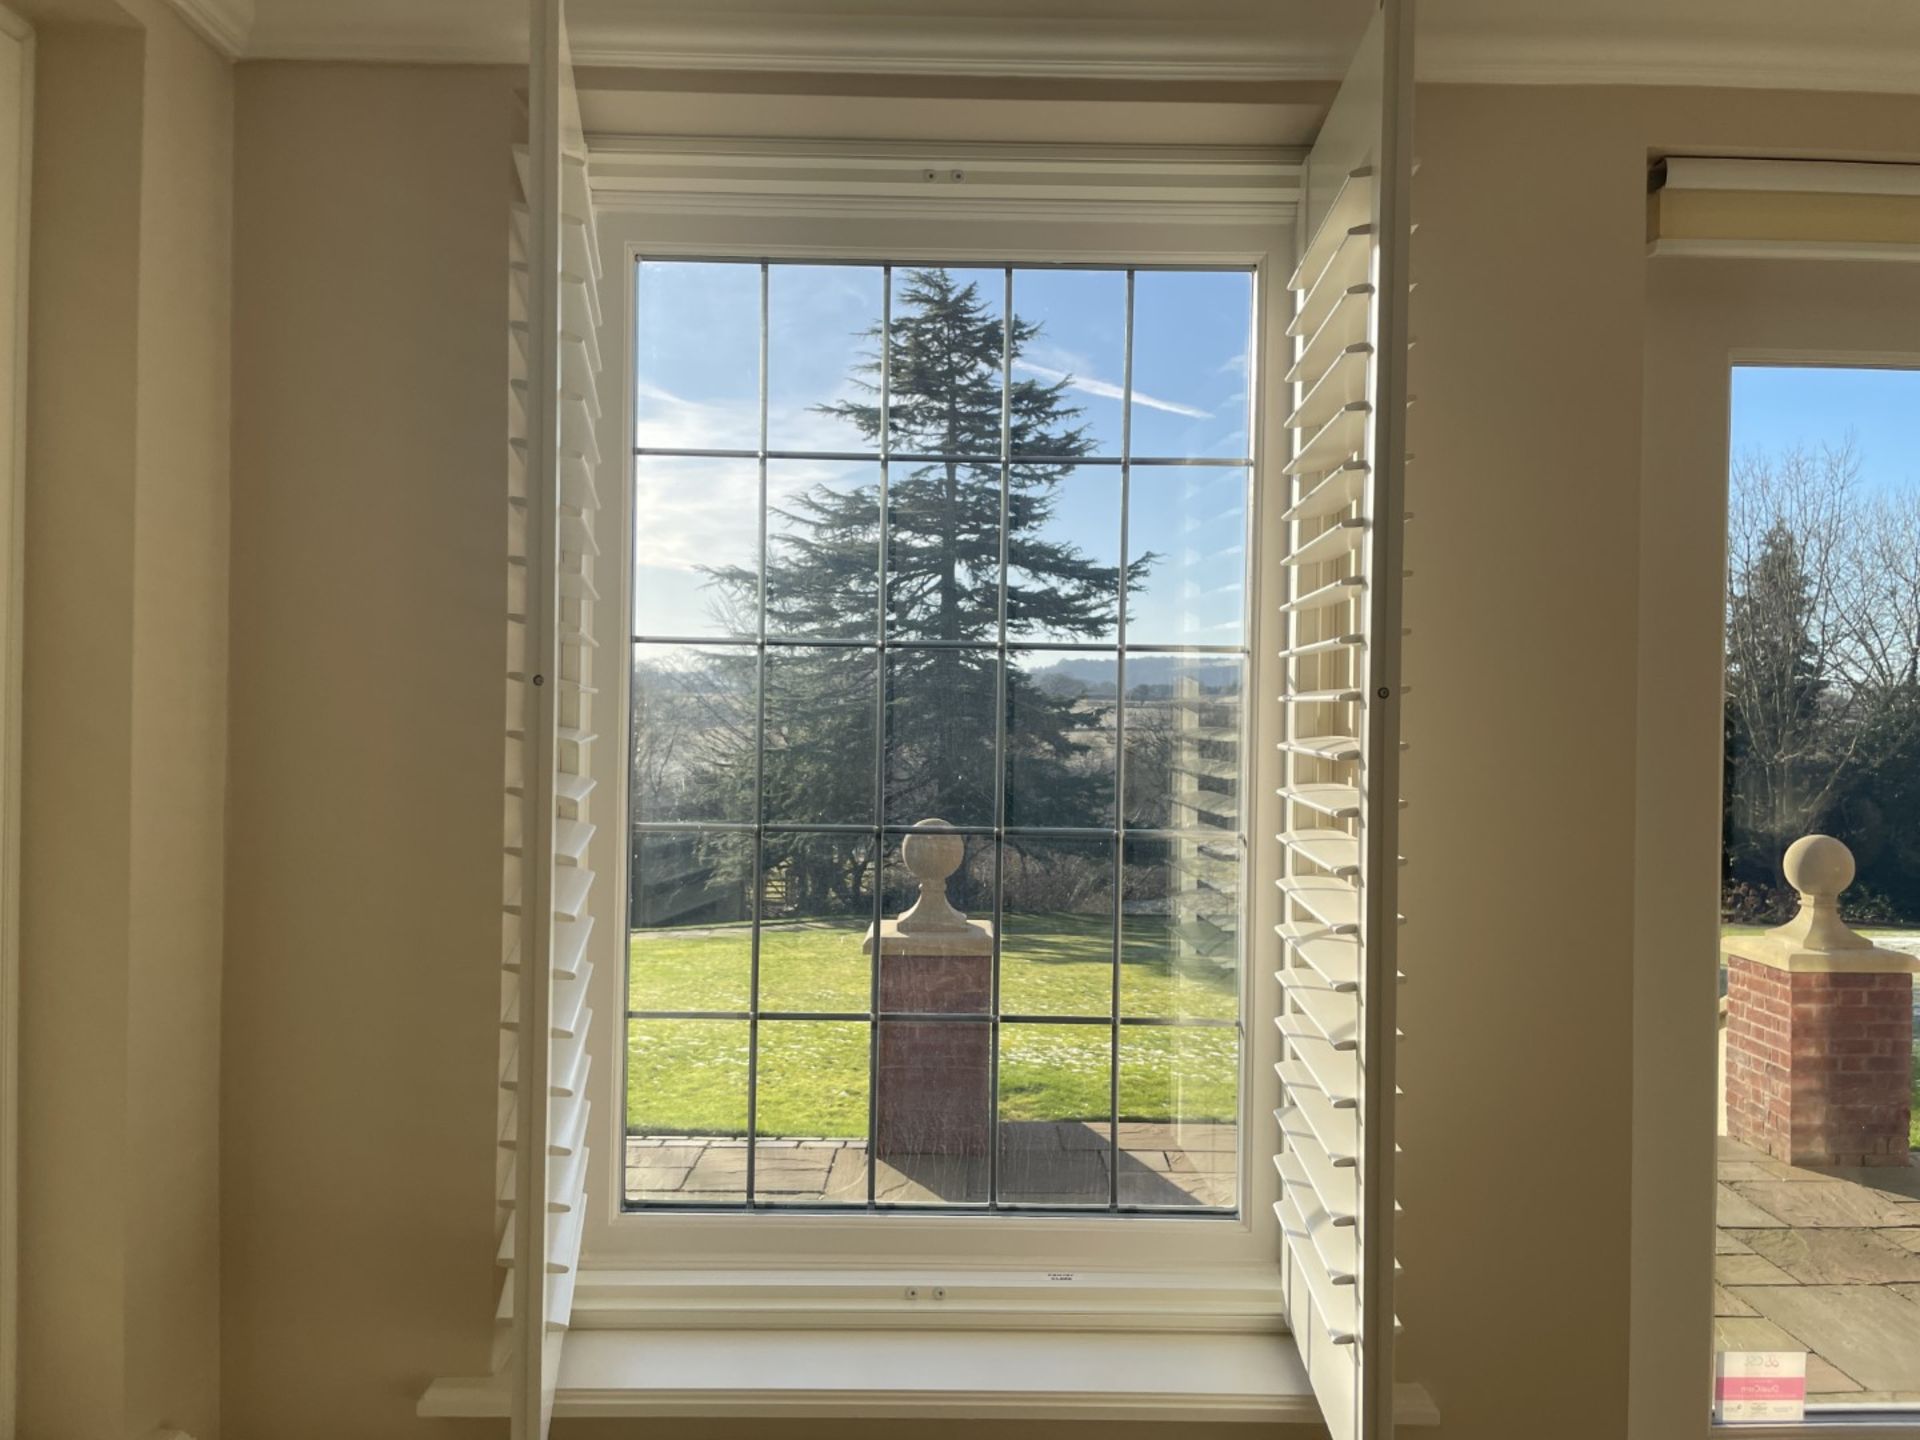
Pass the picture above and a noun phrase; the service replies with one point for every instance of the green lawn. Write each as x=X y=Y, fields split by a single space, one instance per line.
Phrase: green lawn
x=690 y=1076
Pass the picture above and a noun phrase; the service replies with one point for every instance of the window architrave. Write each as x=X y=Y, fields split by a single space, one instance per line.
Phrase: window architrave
x=827 y=205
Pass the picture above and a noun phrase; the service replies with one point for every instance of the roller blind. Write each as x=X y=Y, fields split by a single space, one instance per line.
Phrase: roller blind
x=1745 y=208
x=552 y=724
x=1340 y=741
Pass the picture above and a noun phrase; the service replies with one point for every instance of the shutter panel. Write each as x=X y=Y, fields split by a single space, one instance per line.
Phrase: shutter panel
x=1341 y=736
x=551 y=727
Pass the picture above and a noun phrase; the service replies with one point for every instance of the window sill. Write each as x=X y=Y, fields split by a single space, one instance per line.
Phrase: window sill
x=931 y=1297
x=975 y=1374
x=943 y=1343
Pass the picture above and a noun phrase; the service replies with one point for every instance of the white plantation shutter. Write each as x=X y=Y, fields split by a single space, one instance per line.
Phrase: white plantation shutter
x=1341 y=729
x=551 y=726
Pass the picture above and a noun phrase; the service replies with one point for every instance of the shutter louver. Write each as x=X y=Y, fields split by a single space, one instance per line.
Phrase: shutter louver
x=551 y=727
x=1340 y=744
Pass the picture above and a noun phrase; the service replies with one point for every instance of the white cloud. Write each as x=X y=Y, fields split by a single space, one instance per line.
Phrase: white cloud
x=1107 y=390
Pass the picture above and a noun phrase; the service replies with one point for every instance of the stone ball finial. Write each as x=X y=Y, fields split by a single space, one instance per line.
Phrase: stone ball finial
x=1819 y=867
x=933 y=851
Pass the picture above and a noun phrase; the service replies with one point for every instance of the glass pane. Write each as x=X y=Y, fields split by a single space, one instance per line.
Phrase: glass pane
x=687 y=1111
x=948 y=347
x=1056 y=927
x=1060 y=717
x=1063 y=553
x=823 y=550
x=692 y=918
x=1191 y=358
x=819 y=752
x=1818 y=1075
x=933 y=1112
x=823 y=357
x=696 y=547
x=1183 y=742
x=1069 y=361
x=1056 y=1109
x=943 y=552
x=940 y=735
x=816 y=907
x=811 y=1113
x=1180 y=928
x=1179 y=1103
x=695 y=718
x=1187 y=534
x=697 y=356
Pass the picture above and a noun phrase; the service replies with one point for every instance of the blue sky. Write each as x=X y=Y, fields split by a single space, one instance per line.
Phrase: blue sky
x=1779 y=406
x=697 y=382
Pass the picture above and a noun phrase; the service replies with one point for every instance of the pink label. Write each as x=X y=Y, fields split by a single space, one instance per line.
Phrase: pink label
x=1761 y=1387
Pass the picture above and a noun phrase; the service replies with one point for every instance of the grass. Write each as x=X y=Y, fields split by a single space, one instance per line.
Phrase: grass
x=690 y=1076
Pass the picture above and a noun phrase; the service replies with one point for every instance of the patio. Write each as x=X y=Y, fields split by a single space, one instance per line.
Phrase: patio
x=1041 y=1163
x=1826 y=1261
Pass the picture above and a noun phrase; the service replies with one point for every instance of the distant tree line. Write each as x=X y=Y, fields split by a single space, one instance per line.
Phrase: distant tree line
x=1823 y=681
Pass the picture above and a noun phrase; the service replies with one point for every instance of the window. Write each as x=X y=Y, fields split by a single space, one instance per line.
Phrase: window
x=1822 y=765
x=965 y=544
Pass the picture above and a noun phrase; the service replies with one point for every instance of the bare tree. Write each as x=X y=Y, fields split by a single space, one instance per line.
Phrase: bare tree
x=1823 y=630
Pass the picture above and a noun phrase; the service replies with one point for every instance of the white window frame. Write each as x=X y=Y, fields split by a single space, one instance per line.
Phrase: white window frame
x=911 y=204
x=1705 y=319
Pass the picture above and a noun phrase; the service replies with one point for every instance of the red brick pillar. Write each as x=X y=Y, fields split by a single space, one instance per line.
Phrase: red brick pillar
x=1819 y=1029
x=934 y=1077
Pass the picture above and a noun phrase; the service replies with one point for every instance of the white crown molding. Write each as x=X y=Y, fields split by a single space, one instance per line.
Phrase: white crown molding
x=224 y=24
x=1854 y=45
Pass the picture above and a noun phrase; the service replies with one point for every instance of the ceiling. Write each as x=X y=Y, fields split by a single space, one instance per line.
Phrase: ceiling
x=1794 y=44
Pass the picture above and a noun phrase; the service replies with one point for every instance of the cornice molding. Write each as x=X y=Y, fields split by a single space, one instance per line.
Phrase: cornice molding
x=1553 y=46
x=225 y=24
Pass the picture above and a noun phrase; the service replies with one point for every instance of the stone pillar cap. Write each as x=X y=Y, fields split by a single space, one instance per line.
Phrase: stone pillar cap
x=1817 y=940
x=931 y=926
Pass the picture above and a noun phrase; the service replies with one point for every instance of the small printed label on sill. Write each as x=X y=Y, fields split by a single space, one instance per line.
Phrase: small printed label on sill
x=1760 y=1387
x=1060 y=1275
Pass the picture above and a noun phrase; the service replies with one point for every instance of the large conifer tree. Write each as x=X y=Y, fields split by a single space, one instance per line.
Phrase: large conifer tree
x=947 y=356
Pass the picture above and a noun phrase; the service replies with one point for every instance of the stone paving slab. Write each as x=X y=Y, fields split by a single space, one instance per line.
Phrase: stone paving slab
x=1825 y=1378
x=1828 y=1205
x=1733 y=1211
x=1725 y=1304
x=1836 y=1257
x=1749 y=1270
x=1868 y=1332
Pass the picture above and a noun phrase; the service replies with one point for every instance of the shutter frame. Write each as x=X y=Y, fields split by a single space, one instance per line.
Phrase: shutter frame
x=549 y=835
x=1340 y=744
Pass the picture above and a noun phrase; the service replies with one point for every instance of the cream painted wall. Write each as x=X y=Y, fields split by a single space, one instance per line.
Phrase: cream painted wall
x=1519 y=827
x=123 y=735
x=365 y=700
x=77 y=731
x=363 y=881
